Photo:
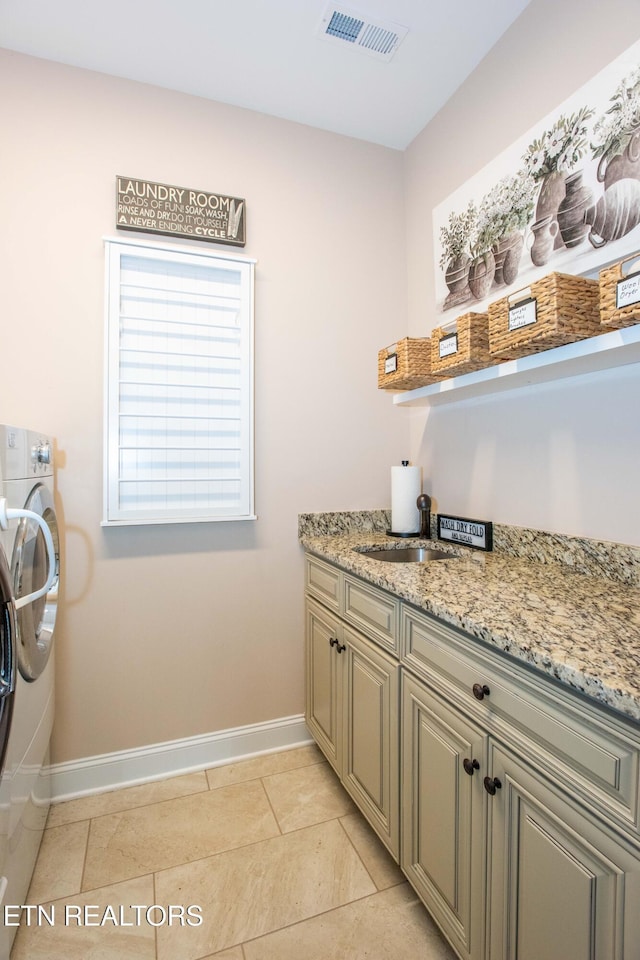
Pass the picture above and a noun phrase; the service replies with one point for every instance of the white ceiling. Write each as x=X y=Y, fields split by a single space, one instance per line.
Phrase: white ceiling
x=267 y=55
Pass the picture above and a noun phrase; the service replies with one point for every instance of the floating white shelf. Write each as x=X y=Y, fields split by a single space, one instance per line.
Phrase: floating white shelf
x=613 y=349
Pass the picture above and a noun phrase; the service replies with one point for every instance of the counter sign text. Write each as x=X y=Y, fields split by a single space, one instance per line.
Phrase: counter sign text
x=470 y=533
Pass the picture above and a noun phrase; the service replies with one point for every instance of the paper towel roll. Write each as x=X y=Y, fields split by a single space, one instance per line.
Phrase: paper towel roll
x=406 y=487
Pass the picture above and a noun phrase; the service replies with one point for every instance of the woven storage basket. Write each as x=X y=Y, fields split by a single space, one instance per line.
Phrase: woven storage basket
x=564 y=309
x=620 y=294
x=468 y=352
x=406 y=365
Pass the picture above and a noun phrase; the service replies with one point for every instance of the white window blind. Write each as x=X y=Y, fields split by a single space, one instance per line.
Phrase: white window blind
x=179 y=386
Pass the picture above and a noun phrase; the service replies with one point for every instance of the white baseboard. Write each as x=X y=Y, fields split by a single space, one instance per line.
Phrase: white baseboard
x=126 y=768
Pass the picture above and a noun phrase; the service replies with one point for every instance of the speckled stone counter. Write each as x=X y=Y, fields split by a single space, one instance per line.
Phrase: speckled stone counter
x=582 y=629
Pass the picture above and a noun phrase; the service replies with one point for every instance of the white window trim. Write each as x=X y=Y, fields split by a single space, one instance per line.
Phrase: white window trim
x=114 y=249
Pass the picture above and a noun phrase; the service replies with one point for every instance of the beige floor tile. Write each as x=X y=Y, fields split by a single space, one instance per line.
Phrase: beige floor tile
x=114 y=801
x=247 y=892
x=383 y=869
x=308 y=795
x=71 y=941
x=263 y=766
x=234 y=954
x=391 y=924
x=58 y=870
x=146 y=839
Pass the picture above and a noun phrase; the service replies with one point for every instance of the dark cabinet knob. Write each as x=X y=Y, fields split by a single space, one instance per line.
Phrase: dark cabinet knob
x=480 y=691
x=491 y=784
x=340 y=647
x=332 y=641
x=470 y=766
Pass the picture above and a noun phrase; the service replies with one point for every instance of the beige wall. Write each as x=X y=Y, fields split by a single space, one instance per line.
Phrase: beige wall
x=169 y=632
x=564 y=457
x=173 y=631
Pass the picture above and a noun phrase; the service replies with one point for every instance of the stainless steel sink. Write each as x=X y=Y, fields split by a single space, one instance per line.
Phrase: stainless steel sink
x=409 y=555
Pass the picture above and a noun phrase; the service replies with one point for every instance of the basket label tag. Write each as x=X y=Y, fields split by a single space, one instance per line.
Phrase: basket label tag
x=628 y=291
x=523 y=314
x=470 y=533
x=448 y=345
x=391 y=363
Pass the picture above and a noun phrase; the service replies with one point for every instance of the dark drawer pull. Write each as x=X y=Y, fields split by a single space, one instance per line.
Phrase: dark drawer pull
x=470 y=766
x=480 y=691
x=491 y=785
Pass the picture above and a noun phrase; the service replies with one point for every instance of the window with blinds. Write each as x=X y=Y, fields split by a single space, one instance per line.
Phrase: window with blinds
x=179 y=386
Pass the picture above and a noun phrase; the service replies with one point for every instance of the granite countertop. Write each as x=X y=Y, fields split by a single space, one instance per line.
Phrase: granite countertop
x=582 y=629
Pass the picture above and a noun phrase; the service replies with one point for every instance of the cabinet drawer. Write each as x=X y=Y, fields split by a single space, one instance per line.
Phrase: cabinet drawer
x=374 y=613
x=323 y=582
x=587 y=750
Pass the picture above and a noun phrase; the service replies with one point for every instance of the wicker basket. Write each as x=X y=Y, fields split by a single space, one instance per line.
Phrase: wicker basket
x=620 y=294
x=406 y=365
x=552 y=311
x=463 y=349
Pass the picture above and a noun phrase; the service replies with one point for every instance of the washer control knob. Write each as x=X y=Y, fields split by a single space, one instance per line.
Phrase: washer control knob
x=42 y=452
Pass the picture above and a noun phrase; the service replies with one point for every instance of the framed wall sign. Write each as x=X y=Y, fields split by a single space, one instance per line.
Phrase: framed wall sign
x=149 y=207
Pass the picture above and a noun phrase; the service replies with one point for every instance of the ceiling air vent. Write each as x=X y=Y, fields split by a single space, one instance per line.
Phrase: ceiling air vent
x=377 y=38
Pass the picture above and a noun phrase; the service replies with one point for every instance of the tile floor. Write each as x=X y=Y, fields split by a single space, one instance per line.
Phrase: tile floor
x=271 y=850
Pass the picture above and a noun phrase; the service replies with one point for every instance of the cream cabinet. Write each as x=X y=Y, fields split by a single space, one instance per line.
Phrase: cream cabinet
x=442 y=820
x=562 y=884
x=324 y=687
x=519 y=825
x=352 y=696
x=512 y=802
x=370 y=754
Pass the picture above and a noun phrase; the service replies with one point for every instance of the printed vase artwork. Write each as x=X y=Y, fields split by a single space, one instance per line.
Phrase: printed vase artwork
x=616 y=213
x=573 y=177
x=571 y=212
x=544 y=236
x=623 y=165
x=457 y=274
x=507 y=253
x=553 y=189
x=481 y=274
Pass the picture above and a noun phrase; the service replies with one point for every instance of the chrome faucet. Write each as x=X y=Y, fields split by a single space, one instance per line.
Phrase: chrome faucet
x=423 y=504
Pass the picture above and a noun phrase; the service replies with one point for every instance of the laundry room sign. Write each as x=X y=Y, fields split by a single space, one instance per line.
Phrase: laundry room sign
x=179 y=212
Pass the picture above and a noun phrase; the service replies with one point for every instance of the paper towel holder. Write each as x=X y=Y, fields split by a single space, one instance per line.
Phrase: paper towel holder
x=391 y=533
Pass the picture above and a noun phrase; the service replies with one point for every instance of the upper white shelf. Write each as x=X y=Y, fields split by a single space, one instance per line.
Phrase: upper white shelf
x=613 y=349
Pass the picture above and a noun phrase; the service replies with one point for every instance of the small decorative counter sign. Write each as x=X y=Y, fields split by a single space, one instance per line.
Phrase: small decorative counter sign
x=477 y=534
x=179 y=212
x=523 y=314
x=448 y=345
x=628 y=291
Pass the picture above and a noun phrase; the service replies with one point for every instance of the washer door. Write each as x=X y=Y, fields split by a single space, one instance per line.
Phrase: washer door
x=36 y=620
x=7 y=662
x=7 y=685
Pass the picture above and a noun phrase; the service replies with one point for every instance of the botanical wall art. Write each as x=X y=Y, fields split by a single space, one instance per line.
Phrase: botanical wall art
x=565 y=197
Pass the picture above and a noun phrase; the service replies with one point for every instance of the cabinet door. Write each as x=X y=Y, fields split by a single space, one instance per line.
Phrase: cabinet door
x=370 y=762
x=561 y=886
x=323 y=711
x=442 y=850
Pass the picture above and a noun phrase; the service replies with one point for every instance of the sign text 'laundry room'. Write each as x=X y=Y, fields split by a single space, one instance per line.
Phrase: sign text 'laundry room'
x=179 y=211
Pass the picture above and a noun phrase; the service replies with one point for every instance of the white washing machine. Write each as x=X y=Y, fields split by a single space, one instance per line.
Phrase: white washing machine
x=29 y=534
x=7 y=688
